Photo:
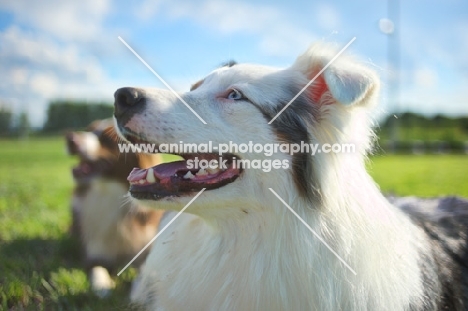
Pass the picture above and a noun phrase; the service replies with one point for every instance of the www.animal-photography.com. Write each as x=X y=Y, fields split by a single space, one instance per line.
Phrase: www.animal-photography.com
x=234 y=155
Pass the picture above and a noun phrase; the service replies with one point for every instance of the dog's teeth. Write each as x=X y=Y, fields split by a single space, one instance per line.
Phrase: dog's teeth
x=213 y=170
x=189 y=175
x=202 y=172
x=150 y=176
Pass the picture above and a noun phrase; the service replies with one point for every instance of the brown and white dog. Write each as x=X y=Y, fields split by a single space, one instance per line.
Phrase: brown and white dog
x=112 y=229
x=339 y=246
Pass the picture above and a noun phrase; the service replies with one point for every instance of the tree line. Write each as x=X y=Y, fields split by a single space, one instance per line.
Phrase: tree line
x=76 y=115
x=66 y=115
x=61 y=115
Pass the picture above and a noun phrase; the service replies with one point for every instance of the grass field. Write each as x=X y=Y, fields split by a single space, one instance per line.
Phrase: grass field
x=39 y=262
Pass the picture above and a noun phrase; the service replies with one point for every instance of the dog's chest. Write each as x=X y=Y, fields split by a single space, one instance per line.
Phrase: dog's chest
x=213 y=273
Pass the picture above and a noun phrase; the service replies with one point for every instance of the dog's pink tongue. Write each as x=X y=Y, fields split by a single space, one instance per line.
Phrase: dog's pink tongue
x=161 y=171
x=137 y=174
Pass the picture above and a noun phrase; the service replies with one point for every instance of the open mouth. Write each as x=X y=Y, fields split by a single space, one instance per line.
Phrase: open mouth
x=184 y=177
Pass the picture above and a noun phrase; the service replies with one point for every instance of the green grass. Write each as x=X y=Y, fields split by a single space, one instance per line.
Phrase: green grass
x=40 y=267
x=424 y=175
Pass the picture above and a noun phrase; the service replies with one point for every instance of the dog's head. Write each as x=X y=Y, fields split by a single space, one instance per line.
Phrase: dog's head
x=238 y=102
x=99 y=156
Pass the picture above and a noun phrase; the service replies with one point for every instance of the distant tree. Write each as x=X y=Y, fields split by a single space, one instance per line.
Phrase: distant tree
x=464 y=124
x=6 y=120
x=23 y=125
x=63 y=114
x=443 y=121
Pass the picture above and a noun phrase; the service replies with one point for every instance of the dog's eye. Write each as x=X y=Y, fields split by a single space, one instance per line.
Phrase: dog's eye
x=235 y=95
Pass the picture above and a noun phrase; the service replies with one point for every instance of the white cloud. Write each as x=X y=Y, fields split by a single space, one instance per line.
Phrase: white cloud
x=18 y=75
x=40 y=69
x=51 y=52
x=279 y=37
x=147 y=9
x=67 y=20
x=285 y=41
x=434 y=67
x=44 y=84
x=39 y=52
x=425 y=77
x=328 y=17
x=433 y=103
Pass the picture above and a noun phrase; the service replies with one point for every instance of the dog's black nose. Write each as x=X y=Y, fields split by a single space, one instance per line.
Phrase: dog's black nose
x=125 y=99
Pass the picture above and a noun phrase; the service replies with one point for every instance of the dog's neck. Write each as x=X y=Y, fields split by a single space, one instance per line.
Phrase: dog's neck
x=347 y=190
x=257 y=239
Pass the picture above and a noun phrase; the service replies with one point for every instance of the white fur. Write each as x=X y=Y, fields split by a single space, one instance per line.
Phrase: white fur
x=265 y=259
x=107 y=233
x=101 y=281
x=88 y=144
x=111 y=228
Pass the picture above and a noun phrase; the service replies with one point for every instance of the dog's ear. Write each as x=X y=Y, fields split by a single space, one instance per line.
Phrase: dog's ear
x=344 y=81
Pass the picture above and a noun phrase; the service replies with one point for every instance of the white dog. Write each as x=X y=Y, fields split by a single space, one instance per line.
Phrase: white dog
x=242 y=248
x=111 y=229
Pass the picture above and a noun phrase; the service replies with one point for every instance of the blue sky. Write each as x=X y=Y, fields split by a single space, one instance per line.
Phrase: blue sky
x=69 y=49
